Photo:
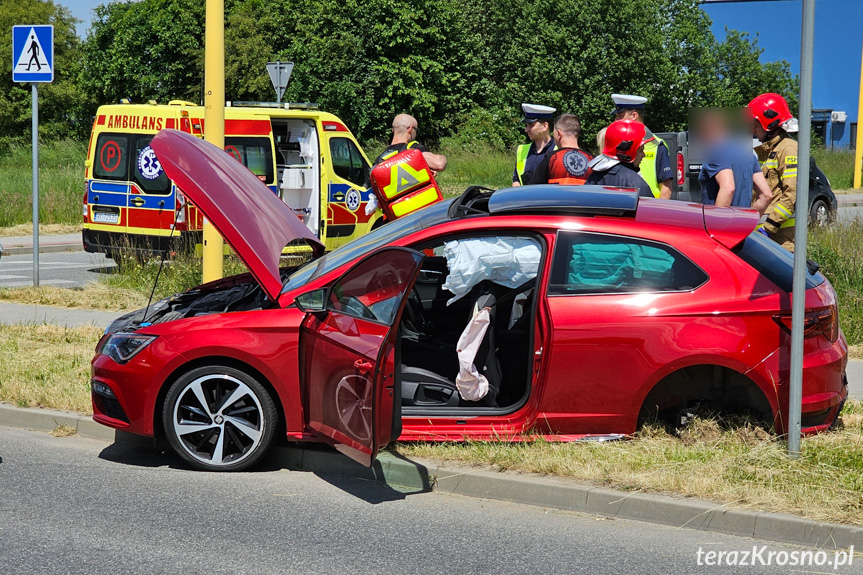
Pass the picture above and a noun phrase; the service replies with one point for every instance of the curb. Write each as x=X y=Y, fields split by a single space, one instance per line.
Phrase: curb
x=43 y=249
x=526 y=489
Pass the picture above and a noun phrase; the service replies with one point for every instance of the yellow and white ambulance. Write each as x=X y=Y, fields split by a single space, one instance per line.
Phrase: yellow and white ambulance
x=306 y=156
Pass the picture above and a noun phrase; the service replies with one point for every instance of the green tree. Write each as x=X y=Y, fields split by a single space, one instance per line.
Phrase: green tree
x=62 y=113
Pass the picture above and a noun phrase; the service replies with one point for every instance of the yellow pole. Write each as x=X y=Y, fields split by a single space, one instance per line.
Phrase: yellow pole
x=858 y=155
x=214 y=120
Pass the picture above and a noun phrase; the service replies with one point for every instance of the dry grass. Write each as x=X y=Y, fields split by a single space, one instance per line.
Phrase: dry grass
x=743 y=467
x=64 y=430
x=44 y=229
x=47 y=365
x=98 y=296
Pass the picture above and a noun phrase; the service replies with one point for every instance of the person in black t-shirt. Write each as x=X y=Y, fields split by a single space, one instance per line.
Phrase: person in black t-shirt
x=404 y=134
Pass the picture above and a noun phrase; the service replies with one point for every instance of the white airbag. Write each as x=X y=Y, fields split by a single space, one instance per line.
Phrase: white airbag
x=508 y=261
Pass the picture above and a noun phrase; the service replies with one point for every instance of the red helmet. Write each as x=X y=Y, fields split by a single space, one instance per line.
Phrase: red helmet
x=623 y=138
x=770 y=110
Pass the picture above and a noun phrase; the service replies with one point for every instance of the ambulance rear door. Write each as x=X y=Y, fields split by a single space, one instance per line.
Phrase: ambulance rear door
x=298 y=163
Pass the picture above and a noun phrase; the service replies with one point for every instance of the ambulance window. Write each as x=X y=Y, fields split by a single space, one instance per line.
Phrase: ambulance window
x=254 y=153
x=111 y=161
x=347 y=161
x=149 y=175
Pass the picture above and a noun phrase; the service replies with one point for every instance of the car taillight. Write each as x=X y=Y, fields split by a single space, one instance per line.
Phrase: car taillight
x=180 y=221
x=821 y=322
x=85 y=211
x=679 y=168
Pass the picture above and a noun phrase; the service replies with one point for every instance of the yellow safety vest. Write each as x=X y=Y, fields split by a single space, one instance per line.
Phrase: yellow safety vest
x=647 y=169
x=521 y=154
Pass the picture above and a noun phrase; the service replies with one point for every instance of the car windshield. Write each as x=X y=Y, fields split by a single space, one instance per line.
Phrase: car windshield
x=384 y=235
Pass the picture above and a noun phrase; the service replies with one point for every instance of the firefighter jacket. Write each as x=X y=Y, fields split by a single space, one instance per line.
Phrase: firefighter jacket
x=778 y=158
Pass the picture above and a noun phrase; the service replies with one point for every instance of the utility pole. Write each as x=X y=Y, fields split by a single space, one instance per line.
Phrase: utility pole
x=214 y=121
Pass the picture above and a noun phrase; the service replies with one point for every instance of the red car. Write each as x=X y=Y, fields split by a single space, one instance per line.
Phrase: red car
x=552 y=310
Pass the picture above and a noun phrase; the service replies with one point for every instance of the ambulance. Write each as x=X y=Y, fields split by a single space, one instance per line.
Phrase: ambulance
x=307 y=157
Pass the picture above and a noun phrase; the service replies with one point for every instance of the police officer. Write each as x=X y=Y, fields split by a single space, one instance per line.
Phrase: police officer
x=536 y=126
x=568 y=164
x=656 y=167
x=622 y=152
x=405 y=130
x=772 y=122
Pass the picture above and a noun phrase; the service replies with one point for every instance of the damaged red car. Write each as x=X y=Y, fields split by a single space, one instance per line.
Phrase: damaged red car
x=561 y=311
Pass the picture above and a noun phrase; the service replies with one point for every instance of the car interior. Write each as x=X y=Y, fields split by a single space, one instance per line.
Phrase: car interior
x=498 y=273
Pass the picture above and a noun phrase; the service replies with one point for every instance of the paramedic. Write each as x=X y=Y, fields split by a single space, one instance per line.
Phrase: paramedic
x=527 y=156
x=622 y=152
x=404 y=134
x=568 y=163
x=772 y=122
x=656 y=167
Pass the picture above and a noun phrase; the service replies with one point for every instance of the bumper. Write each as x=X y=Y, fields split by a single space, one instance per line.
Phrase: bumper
x=109 y=243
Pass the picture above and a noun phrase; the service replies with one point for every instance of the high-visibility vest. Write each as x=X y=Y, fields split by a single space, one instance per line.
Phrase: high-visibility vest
x=404 y=183
x=383 y=157
x=521 y=154
x=647 y=169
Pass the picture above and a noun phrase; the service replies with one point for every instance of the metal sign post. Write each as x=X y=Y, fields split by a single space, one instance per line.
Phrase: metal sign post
x=280 y=74
x=798 y=301
x=33 y=61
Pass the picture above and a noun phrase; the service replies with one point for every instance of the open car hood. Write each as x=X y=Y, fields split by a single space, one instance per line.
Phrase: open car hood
x=253 y=220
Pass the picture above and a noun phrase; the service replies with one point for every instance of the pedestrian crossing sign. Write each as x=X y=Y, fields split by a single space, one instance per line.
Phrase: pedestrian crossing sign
x=32 y=53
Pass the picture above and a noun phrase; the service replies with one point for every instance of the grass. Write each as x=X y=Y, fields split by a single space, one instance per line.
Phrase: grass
x=44 y=229
x=743 y=467
x=47 y=365
x=837 y=165
x=178 y=275
x=61 y=184
x=97 y=296
x=839 y=250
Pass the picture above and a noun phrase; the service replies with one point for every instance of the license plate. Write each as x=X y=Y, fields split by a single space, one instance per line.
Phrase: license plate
x=106 y=217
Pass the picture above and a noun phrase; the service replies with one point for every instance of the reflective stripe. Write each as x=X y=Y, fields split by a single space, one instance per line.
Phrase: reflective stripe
x=647 y=169
x=394 y=152
x=414 y=202
x=783 y=211
x=789 y=174
x=787 y=223
x=770 y=164
x=521 y=154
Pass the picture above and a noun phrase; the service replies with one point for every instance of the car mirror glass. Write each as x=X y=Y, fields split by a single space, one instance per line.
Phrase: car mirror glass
x=312 y=302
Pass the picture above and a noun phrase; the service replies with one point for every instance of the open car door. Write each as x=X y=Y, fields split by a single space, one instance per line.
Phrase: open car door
x=347 y=353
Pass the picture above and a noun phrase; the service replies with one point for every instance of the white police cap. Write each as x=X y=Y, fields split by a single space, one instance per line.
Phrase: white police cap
x=627 y=102
x=534 y=112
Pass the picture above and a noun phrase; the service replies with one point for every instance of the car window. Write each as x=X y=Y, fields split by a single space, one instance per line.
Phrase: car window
x=374 y=288
x=111 y=159
x=376 y=238
x=348 y=162
x=773 y=261
x=254 y=153
x=148 y=172
x=589 y=263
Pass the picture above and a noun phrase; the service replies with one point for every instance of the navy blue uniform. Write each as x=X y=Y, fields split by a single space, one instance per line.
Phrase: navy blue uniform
x=532 y=161
x=621 y=176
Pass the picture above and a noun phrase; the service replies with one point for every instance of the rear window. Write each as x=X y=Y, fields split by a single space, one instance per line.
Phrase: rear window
x=254 y=153
x=129 y=157
x=773 y=261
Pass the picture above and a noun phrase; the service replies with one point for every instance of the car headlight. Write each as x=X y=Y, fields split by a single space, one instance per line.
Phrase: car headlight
x=121 y=347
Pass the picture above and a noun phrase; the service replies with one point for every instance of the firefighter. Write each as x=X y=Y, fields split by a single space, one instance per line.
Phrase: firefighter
x=568 y=163
x=405 y=129
x=622 y=152
x=772 y=122
x=656 y=167
x=528 y=156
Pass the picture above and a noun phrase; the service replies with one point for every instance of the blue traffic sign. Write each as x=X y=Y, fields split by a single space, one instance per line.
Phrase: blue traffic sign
x=32 y=53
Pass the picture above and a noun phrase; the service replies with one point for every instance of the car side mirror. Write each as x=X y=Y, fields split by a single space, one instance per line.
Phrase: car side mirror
x=312 y=301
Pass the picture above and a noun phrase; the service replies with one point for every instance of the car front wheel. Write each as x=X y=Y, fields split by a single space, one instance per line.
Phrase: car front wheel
x=819 y=213
x=219 y=418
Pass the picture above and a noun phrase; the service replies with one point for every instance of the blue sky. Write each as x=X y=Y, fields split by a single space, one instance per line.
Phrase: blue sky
x=777 y=24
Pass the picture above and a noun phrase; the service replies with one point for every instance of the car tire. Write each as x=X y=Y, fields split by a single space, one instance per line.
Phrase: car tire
x=211 y=434
x=820 y=213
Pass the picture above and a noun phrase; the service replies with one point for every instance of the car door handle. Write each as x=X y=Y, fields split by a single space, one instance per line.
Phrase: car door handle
x=137 y=202
x=363 y=366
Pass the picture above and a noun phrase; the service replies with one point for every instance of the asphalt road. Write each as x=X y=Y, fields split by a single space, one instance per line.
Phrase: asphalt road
x=72 y=505
x=61 y=269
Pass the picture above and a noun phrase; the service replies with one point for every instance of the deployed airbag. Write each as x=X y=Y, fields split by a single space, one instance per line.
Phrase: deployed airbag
x=471 y=384
x=508 y=261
